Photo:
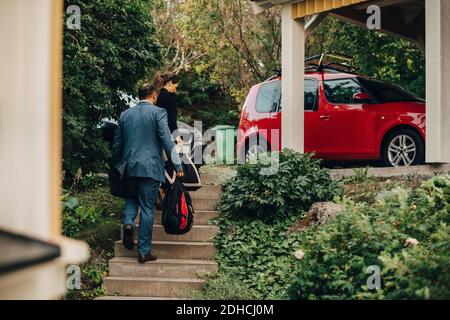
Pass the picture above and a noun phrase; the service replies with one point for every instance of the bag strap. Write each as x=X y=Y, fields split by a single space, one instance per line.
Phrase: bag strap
x=169 y=178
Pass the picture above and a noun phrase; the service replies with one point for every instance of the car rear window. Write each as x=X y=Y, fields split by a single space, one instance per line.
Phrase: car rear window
x=269 y=96
x=385 y=93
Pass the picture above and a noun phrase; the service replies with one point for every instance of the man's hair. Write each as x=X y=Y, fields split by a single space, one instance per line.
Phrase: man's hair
x=146 y=90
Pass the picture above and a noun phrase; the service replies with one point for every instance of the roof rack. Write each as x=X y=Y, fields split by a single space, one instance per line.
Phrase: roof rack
x=327 y=62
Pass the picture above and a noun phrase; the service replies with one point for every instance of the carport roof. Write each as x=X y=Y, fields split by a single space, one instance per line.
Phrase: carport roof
x=401 y=18
x=304 y=7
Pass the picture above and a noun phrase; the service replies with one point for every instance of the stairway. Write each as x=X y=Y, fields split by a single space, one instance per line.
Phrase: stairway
x=183 y=261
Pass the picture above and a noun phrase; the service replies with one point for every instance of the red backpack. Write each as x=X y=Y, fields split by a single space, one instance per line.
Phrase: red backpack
x=178 y=213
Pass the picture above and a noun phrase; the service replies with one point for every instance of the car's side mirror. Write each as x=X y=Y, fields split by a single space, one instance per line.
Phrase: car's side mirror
x=361 y=97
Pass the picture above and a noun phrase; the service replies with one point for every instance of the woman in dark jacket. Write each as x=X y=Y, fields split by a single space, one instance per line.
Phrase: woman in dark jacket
x=167 y=84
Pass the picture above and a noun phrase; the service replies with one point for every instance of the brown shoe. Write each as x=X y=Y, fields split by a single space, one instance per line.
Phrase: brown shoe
x=144 y=259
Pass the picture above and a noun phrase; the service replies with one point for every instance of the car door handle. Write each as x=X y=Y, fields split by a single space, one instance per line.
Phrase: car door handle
x=325 y=117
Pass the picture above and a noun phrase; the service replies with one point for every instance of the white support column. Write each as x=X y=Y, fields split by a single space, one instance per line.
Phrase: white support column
x=292 y=67
x=438 y=80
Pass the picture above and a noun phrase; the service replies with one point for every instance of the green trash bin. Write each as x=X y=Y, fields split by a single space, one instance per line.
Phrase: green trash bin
x=225 y=144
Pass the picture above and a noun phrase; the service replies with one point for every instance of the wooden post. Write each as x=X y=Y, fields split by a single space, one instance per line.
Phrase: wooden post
x=293 y=56
x=437 y=13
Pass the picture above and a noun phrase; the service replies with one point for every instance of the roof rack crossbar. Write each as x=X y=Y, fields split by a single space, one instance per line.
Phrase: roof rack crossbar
x=347 y=63
x=316 y=64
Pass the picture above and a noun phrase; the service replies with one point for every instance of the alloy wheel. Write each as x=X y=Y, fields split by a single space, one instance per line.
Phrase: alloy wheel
x=402 y=151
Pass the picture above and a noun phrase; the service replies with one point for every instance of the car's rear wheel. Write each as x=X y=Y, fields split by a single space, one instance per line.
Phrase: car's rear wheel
x=403 y=147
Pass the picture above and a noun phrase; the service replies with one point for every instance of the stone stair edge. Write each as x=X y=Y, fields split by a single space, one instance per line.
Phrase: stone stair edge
x=154 y=279
x=196 y=226
x=164 y=261
x=193 y=243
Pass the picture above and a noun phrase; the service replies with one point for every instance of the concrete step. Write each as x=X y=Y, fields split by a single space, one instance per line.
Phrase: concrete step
x=207 y=191
x=151 y=287
x=197 y=233
x=163 y=268
x=210 y=179
x=201 y=203
x=136 y=298
x=173 y=250
x=204 y=203
x=200 y=217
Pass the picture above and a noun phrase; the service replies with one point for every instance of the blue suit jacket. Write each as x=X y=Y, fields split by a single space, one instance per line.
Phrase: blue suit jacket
x=139 y=140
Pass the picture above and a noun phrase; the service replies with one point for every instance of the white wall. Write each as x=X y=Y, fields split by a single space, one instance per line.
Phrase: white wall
x=24 y=115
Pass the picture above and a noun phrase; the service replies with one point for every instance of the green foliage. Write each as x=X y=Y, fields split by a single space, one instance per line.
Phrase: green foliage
x=92 y=215
x=338 y=254
x=299 y=182
x=368 y=189
x=201 y=99
x=238 y=48
x=92 y=274
x=224 y=287
x=114 y=49
x=255 y=254
x=361 y=175
x=78 y=219
x=255 y=259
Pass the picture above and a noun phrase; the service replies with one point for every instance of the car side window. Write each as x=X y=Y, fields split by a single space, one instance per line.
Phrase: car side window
x=311 y=96
x=267 y=100
x=342 y=90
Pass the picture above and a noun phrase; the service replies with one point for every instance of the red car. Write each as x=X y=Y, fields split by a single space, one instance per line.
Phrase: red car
x=347 y=117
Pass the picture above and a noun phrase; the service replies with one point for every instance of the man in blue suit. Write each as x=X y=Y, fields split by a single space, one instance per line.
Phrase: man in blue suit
x=140 y=138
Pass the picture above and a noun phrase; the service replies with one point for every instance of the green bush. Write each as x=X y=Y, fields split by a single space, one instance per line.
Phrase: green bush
x=224 y=287
x=76 y=218
x=256 y=256
x=255 y=259
x=299 y=182
x=92 y=215
x=338 y=254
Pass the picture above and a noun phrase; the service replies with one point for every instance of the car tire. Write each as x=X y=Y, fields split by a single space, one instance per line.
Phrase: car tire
x=403 y=147
x=252 y=147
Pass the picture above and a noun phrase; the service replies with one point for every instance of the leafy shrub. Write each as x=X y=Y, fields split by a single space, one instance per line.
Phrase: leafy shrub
x=224 y=287
x=255 y=259
x=76 y=219
x=92 y=274
x=92 y=215
x=299 y=182
x=337 y=255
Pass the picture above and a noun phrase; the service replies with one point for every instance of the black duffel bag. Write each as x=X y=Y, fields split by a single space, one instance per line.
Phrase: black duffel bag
x=122 y=186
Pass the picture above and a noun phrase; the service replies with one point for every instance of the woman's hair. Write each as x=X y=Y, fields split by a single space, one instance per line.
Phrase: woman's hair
x=161 y=79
